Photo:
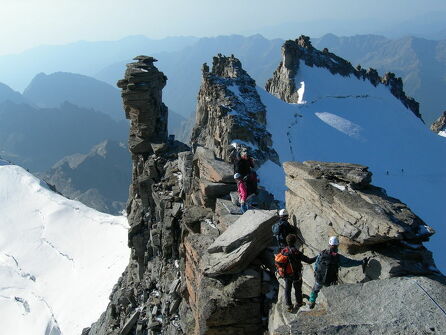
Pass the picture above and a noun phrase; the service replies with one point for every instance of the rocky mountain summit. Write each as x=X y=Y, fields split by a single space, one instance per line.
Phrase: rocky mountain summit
x=439 y=126
x=301 y=51
x=229 y=109
x=197 y=266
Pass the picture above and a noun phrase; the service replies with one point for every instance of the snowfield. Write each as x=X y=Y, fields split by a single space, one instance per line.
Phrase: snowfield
x=59 y=259
x=344 y=119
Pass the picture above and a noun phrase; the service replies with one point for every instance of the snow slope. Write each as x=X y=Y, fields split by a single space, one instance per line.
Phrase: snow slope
x=59 y=259
x=344 y=119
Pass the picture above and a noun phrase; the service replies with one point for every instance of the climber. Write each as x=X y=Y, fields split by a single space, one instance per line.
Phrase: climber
x=282 y=228
x=244 y=164
x=289 y=264
x=327 y=266
x=242 y=192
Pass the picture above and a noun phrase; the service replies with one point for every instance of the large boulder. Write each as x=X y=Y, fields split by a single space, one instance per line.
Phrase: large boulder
x=327 y=199
x=364 y=217
x=241 y=243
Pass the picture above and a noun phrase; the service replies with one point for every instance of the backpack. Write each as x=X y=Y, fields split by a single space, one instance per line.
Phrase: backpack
x=326 y=268
x=251 y=182
x=280 y=231
x=286 y=263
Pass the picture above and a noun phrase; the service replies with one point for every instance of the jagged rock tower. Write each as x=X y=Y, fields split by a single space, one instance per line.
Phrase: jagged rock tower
x=229 y=109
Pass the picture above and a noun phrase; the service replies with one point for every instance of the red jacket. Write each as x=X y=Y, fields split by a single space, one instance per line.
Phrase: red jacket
x=242 y=190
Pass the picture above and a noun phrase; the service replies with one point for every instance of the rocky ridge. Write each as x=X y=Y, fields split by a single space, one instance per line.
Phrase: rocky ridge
x=283 y=86
x=439 y=126
x=198 y=267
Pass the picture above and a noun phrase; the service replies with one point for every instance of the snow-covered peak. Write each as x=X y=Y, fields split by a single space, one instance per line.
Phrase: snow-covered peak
x=299 y=55
x=348 y=119
x=59 y=259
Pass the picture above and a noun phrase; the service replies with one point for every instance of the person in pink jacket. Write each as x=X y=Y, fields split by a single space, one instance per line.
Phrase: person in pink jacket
x=242 y=192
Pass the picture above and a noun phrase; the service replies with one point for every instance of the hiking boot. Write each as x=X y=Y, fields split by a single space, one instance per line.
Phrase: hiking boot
x=299 y=305
x=289 y=308
x=312 y=303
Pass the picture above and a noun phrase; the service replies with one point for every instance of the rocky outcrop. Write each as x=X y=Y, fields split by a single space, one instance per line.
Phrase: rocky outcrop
x=439 y=126
x=326 y=199
x=282 y=84
x=229 y=109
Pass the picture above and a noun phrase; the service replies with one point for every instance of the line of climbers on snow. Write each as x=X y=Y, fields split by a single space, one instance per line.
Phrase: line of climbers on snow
x=289 y=259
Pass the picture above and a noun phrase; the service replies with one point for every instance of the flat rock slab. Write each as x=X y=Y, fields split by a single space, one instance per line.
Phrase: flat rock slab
x=413 y=305
x=241 y=243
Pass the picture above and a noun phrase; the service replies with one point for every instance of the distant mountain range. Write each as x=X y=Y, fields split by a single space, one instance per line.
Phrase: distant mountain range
x=36 y=138
x=420 y=62
x=81 y=57
x=52 y=90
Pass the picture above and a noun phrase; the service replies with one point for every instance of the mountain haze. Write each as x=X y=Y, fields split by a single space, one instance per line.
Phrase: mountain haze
x=50 y=91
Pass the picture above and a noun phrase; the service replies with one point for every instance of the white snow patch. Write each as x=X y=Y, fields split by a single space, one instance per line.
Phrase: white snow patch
x=59 y=259
x=300 y=93
x=339 y=187
x=343 y=125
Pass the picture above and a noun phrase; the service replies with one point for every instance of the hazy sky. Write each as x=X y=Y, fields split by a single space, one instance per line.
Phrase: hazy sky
x=28 y=23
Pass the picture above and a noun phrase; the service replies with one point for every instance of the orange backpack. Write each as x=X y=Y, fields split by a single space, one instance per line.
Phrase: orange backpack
x=283 y=265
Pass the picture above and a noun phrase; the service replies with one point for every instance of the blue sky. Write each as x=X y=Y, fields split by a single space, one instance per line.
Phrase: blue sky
x=28 y=23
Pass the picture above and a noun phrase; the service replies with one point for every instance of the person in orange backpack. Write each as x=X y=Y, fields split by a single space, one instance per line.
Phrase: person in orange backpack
x=289 y=265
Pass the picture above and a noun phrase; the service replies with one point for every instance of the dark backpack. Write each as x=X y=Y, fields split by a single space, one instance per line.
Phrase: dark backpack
x=280 y=231
x=326 y=268
x=251 y=182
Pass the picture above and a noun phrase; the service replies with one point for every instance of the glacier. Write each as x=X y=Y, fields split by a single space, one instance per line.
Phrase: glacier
x=59 y=259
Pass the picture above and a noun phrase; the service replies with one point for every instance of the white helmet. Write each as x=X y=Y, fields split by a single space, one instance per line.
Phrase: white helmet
x=333 y=240
x=237 y=176
x=283 y=212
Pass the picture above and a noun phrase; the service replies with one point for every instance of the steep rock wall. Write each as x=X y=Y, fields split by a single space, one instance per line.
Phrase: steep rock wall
x=229 y=109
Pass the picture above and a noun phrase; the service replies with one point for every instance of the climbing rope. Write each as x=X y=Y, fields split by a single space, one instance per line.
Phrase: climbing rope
x=441 y=309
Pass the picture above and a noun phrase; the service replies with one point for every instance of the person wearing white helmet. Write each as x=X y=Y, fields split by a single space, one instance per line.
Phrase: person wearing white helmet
x=282 y=228
x=242 y=192
x=327 y=266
